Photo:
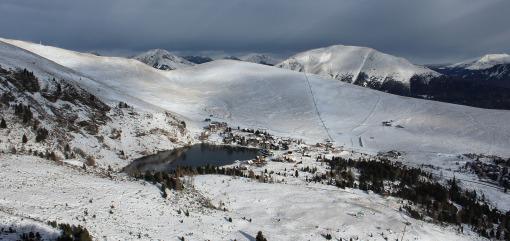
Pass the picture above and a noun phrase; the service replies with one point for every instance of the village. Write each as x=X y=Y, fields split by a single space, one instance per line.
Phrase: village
x=278 y=149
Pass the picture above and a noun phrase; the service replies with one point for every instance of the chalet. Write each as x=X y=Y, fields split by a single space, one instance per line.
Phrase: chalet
x=204 y=135
x=386 y=123
x=216 y=126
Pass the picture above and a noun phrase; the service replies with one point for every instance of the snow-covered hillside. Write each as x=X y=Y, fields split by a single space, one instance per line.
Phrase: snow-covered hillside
x=288 y=103
x=260 y=59
x=162 y=59
x=121 y=209
x=74 y=110
x=484 y=62
x=352 y=64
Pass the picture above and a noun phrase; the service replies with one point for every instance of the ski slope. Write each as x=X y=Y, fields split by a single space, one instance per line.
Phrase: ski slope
x=281 y=101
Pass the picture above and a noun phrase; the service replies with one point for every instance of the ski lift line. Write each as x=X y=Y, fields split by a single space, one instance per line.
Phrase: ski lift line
x=316 y=108
x=362 y=65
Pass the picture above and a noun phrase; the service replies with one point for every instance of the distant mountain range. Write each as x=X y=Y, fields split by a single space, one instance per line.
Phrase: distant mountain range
x=480 y=82
x=492 y=69
x=164 y=60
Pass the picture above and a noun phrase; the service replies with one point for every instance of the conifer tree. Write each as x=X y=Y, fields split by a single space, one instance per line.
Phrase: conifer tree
x=260 y=237
x=3 y=125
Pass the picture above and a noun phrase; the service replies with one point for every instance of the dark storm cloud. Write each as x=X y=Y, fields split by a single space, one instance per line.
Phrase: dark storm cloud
x=423 y=30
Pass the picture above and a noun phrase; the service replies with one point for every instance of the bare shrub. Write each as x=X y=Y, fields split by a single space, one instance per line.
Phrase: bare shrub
x=55 y=157
x=90 y=161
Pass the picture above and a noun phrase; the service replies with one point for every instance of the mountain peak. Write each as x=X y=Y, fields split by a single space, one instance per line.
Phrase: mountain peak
x=348 y=62
x=163 y=59
x=495 y=56
x=484 y=62
x=494 y=59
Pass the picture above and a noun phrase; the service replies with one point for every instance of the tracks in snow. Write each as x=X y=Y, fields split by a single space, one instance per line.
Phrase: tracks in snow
x=317 y=108
x=363 y=123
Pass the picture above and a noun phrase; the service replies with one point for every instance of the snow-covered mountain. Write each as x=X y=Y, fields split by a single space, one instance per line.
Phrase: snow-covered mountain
x=358 y=65
x=162 y=59
x=490 y=70
x=260 y=59
x=484 y=62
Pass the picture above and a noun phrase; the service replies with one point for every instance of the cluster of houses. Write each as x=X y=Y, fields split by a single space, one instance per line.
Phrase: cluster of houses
x=247 y=137
x=496 y=171
x=260 y=139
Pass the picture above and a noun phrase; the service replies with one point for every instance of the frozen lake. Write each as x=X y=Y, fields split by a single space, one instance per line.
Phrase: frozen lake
x=192 y=156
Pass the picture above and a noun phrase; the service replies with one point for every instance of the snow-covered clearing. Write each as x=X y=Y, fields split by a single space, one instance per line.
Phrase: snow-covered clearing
x=41 y=190
x=111 y=209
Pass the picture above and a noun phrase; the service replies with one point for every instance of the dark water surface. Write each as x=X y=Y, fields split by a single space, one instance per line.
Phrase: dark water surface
x=195 y=156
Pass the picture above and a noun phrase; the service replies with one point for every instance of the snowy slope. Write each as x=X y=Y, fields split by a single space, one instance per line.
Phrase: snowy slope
x=296 y=212
x=14 y=57
x=260 y=59
x=64 y=105
x=162 y=59
x=288 y=103
x=111 y=70
x=122 y=209
x=484 y=62
x=346 y=63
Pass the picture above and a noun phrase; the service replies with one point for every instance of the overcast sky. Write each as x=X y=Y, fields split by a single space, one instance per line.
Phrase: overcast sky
x=424 y=31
